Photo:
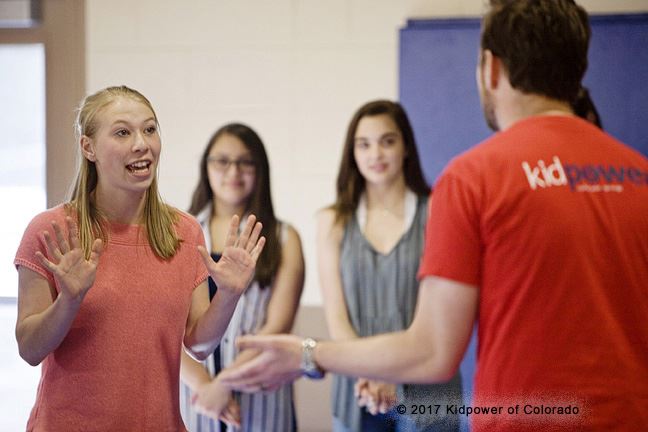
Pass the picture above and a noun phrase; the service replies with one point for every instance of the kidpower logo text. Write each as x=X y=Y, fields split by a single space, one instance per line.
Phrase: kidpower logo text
x=582 y=178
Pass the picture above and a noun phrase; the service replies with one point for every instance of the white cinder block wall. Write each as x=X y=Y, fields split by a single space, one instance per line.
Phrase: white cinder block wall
x=294 y=70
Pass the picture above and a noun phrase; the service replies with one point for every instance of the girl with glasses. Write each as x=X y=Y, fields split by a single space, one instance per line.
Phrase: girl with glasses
x=235 y=179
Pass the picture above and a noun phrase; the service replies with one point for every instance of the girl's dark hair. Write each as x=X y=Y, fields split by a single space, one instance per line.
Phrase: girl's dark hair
x=351 y=184
x=584 y=107
x=259 y=203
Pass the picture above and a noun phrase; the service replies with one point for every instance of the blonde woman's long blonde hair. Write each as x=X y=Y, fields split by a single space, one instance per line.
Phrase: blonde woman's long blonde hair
x=159 y=218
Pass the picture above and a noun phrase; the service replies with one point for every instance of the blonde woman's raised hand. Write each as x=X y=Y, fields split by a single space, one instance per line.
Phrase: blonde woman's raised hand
x=235 y=270
x=73 y=273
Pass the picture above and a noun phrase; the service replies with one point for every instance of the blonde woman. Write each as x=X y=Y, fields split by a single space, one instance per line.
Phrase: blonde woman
x=111 y=283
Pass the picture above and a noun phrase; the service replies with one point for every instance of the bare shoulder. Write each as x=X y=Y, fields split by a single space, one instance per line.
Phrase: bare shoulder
x=325 y=214
x=327 y=225
x=291 y=238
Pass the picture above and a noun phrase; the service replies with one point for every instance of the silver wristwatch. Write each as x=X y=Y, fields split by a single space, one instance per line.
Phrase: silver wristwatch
x=309 y=368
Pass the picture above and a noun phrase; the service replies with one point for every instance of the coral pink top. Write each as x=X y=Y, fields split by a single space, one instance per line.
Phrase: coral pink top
x=118 y=367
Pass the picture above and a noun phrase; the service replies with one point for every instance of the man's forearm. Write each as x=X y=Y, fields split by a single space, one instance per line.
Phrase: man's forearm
x=392 y=357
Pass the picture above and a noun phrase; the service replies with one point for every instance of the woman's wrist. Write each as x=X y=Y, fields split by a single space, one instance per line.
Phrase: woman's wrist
x=67 y=302
x=226 y=297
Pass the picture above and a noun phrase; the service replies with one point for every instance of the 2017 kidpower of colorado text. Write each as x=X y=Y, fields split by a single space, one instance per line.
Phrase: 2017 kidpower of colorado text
x=513 y=410
x=467 y=410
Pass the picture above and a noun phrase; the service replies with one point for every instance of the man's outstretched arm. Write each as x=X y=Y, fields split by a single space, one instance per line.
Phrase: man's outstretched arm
x=430 y=350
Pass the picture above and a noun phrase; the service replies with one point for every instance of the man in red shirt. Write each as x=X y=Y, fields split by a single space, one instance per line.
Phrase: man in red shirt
x=539 y=233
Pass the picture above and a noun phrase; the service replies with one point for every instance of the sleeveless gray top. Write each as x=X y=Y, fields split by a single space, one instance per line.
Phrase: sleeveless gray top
x=380 y=292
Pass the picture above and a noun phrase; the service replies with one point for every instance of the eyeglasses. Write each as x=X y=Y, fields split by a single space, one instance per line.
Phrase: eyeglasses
x=222 y=164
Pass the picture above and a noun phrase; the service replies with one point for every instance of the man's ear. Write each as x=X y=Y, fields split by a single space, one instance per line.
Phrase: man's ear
x=87 y=149
x=492 y=69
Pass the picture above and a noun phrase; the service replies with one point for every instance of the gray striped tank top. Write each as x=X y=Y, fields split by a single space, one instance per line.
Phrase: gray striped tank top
x=380 y=292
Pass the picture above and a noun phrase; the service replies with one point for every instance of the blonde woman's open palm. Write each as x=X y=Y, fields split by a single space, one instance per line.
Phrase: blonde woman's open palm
x=235 y=269
x=73 y=273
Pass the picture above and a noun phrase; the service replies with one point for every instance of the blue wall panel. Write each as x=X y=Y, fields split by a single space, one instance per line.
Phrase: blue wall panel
x=437 y=83
x=618 y=76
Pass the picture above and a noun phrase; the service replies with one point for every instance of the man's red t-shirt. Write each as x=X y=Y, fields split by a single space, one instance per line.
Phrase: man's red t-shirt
x=549 y=219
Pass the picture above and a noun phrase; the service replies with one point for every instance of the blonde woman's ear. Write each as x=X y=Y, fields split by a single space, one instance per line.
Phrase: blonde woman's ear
x=87 y=149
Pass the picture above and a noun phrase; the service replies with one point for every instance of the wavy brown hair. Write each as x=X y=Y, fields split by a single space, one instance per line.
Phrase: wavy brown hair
x=350 y=182
x=159 y=218
x=584 y=108
x=259 y=203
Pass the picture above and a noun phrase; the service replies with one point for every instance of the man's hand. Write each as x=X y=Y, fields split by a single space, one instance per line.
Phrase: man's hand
x=278 y=362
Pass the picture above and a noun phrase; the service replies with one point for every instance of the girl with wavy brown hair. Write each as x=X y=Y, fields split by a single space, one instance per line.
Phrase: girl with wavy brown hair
x=369 y=244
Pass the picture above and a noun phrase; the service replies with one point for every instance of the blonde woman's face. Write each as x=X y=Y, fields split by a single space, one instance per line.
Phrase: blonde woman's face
x=126 y=147
x=378 y=149
x=231 y=171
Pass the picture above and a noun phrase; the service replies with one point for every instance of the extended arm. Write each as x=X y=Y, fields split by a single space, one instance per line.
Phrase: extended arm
x=429 y=351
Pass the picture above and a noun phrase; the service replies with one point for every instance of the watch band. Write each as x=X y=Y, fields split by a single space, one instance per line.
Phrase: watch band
x=309 y=368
